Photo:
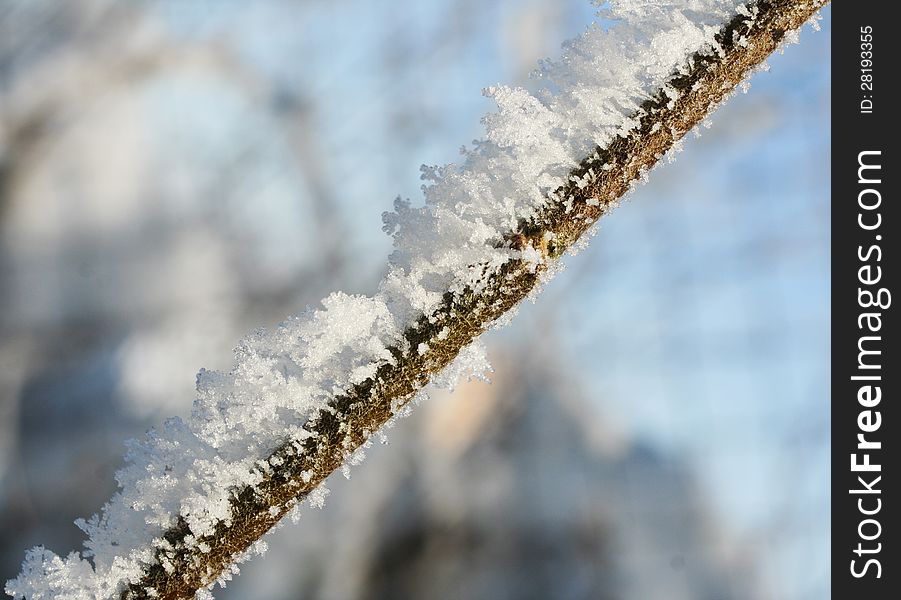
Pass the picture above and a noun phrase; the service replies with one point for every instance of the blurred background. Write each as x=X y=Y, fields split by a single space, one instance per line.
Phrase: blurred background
x=175 y=173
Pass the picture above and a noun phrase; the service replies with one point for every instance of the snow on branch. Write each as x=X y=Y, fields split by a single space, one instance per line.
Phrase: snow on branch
x=306 y=399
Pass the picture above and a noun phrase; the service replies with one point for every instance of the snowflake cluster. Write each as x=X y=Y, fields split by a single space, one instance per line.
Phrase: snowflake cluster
x=282 y=377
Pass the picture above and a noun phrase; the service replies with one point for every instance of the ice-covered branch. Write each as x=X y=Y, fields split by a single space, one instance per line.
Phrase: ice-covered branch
x=305 y=399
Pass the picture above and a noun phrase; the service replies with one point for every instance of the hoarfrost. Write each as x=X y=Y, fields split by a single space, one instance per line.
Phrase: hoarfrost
x=280 y=378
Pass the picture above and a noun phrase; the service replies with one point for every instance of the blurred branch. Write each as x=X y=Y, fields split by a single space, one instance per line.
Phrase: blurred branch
x=184 y=564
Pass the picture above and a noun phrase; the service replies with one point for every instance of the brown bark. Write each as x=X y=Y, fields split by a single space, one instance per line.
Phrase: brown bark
x=298 y=468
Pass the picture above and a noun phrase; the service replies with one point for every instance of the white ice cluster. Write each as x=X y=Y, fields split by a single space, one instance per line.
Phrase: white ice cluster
x=280 y=378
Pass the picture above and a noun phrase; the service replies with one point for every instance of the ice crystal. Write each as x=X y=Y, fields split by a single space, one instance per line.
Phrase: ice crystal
x=188 y=468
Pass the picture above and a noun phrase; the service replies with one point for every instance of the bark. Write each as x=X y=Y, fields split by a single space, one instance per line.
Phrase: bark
x=299 y=467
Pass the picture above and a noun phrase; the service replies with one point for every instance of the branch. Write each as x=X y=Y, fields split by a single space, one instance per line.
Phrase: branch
x=184 y=563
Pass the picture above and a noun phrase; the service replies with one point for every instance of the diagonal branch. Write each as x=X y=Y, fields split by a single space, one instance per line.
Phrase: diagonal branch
x=184 y=563
x=593 y=189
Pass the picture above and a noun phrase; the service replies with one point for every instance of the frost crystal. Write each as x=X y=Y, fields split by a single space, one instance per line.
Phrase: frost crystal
x=280 y=378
